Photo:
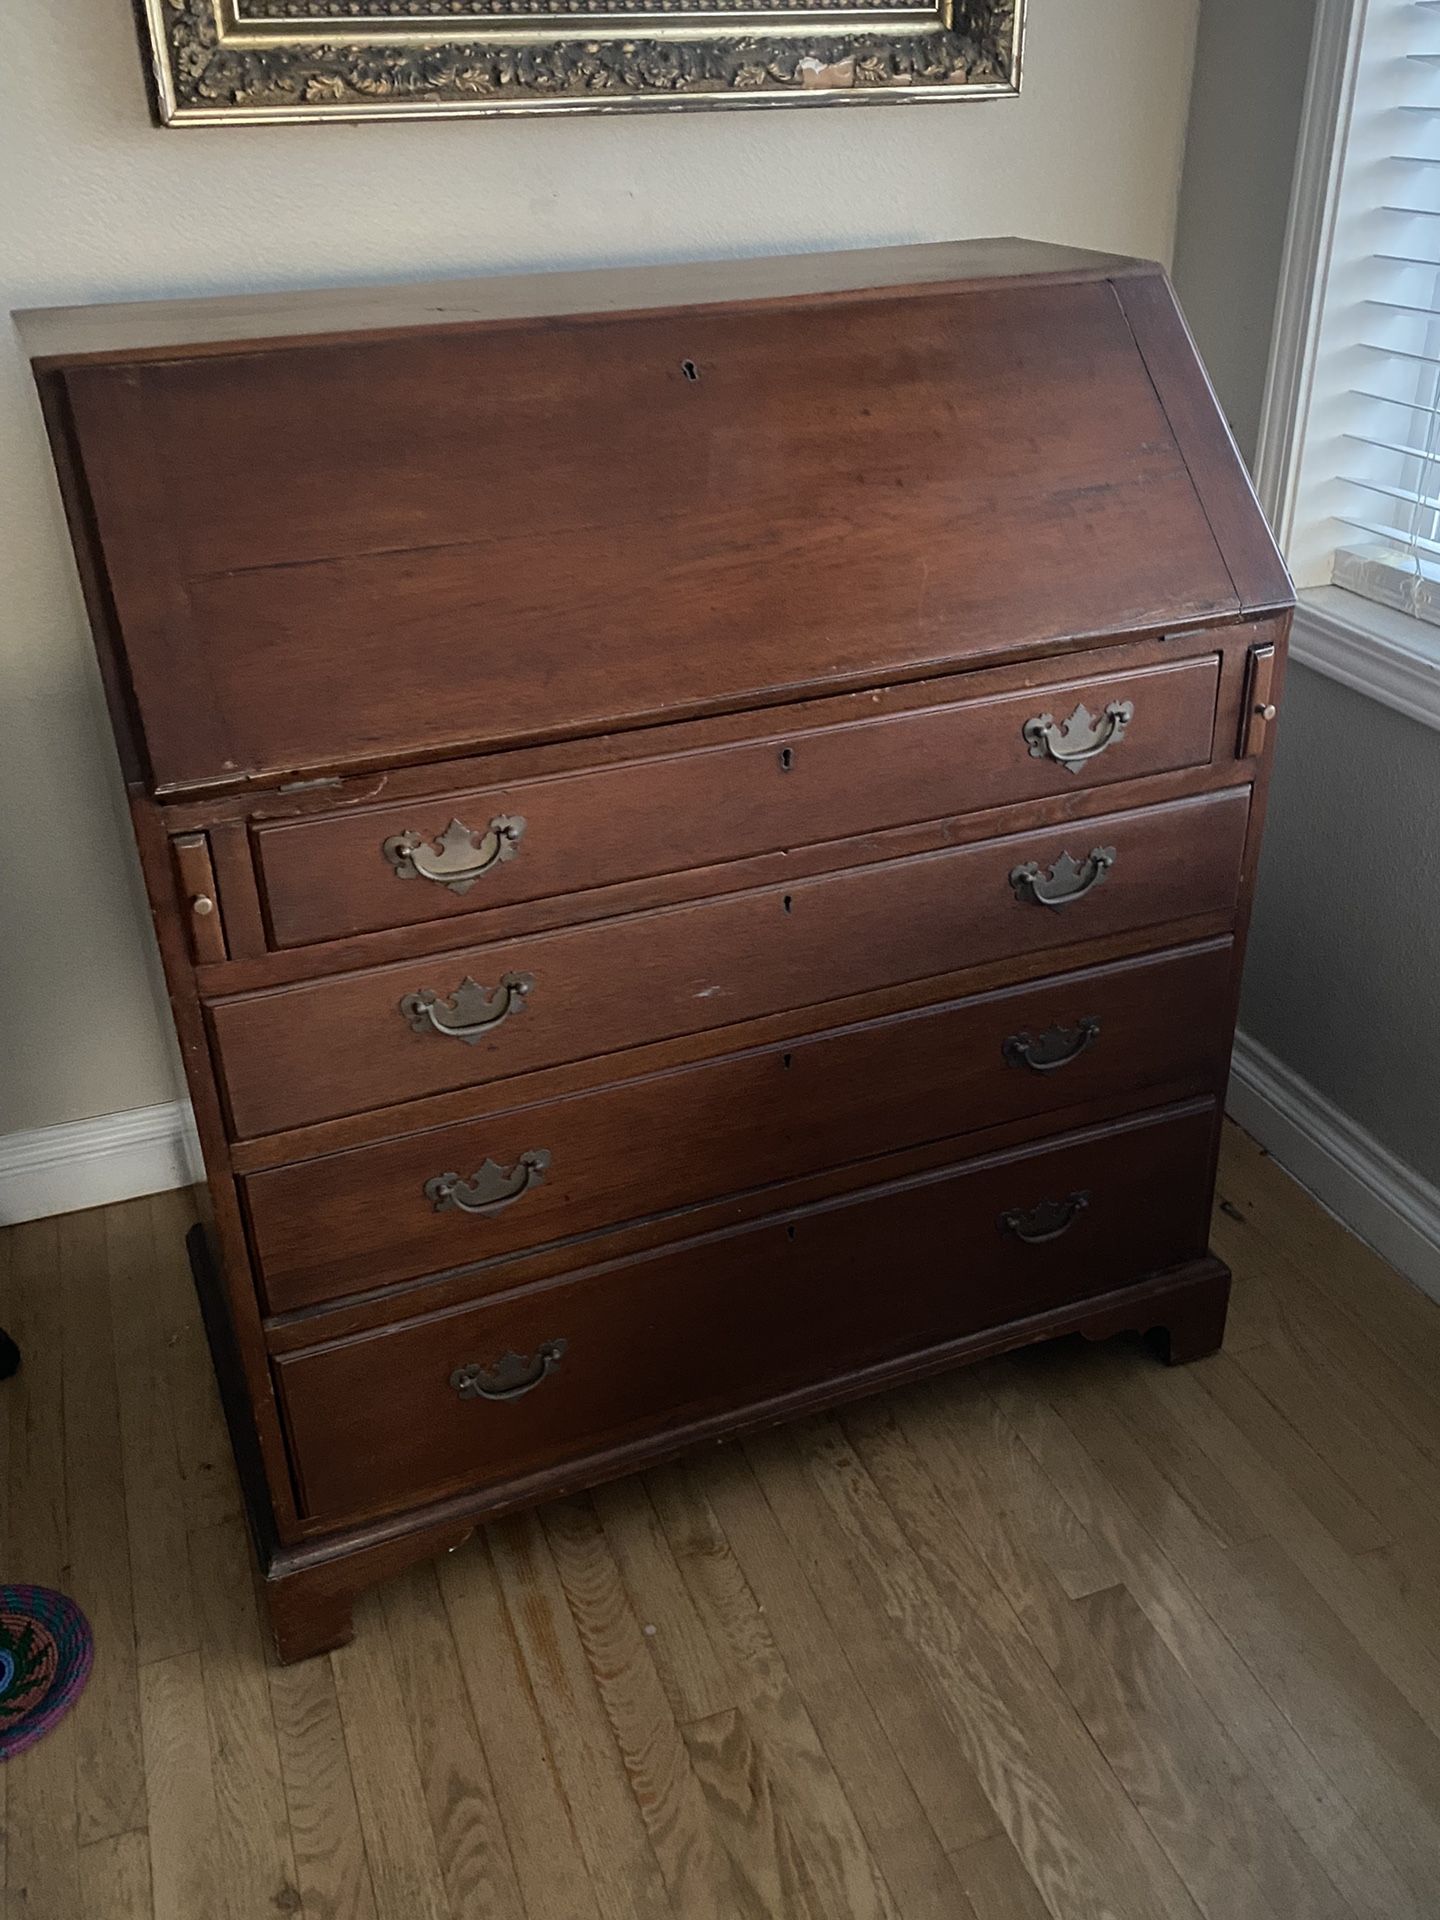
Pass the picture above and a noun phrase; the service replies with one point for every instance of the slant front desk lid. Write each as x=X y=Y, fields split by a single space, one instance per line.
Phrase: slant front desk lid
x=520 y=510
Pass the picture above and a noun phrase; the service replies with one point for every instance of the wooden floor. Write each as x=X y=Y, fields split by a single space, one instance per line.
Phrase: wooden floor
x=1068 y=1635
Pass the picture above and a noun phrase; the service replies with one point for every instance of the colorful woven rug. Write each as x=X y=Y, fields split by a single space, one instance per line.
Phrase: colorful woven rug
x=45 y=1653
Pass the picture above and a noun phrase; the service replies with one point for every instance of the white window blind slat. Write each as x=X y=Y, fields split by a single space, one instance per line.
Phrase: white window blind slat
x=1387 y=446
x=1384 y=405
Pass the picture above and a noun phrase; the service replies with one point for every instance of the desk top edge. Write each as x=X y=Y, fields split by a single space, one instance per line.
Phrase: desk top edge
x=59 y=336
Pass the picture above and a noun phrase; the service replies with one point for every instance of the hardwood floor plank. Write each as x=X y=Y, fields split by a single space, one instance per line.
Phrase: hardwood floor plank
x=34 y=1401
x=739 y=1790
x=848 y=1719
x=115 y=1878
x=1407 y=1571
x=257 y=1863
x=1338 y=1837
x=1354 y=1713
x=699 y=1874
x=163 y=1603
x=1306 y=1477
x=689 y=1668
x=1369 y=1452
x=1387 y=1308
x=1305 y=1319
x=996 y=1883
x=180 y=1789
x=890 y=1672
x=549 y=1865
x=619 y=1857
x=1234 y=1845
x=1251 y=1311
x=1080 y=1838
x=404 y=1868
x=464 y=1818
x=1207 y=1807
x=109 y=1776
x=40 y=1786
x=42 y=1859
x=1410 y=1661
x=331 y=1869
x=1079 y=1560
x=819 y=1848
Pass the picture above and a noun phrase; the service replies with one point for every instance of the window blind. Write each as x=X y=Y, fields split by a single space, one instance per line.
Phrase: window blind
x=1388 y=459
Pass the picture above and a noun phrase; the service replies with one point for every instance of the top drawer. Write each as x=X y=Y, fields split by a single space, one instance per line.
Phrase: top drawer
x=794 y=783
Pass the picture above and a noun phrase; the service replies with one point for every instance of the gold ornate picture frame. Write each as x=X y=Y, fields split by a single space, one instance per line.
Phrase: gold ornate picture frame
x=230 y=61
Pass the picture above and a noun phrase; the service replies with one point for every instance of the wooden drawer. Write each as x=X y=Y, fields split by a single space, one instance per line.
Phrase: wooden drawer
x=297 y=1054
x=375 y=1216
x=738 y=1318
x=795 y=783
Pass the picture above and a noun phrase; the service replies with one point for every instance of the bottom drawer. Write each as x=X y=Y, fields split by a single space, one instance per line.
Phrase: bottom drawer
x=582 y=1364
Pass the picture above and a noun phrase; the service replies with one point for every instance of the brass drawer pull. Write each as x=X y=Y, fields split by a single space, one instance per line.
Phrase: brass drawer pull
x=472 y=1011
x=490 y=1190
x=1084 y=736
x=461 y=854
x=1067 y=880
x=1048 y=1052
x=511 y=1376
x=1036 y=1225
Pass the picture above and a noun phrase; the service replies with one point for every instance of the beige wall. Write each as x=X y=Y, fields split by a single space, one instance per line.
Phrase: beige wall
x=96 y=205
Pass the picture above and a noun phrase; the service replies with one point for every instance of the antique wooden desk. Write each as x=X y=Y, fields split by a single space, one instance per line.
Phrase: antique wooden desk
x=701 y=823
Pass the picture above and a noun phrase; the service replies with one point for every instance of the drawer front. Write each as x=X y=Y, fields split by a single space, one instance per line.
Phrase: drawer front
x=796 y=784
x=475 y=1193
x=557 y=1372
x=313 y=1052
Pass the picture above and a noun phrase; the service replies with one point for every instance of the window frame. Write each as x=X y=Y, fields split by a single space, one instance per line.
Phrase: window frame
x=1387 y=655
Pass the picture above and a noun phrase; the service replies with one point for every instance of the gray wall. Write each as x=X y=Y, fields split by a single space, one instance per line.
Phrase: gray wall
x=1249 y=88
x=1345 y=954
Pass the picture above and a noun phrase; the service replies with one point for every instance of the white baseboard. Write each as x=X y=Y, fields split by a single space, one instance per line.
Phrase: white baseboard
x=1362 y=1183
x=92 y=1163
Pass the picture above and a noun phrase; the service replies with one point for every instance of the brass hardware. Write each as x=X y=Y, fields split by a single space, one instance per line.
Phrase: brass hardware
x=271 y=60
x=461 y=854
x=1048 y=1052
x=1067 y=880
x=511 y=1376
x=492 y=1188
x=1047 y=1221
x=1259 y=710
x=471 y=1011
x=202 y=904
x=1084 y=736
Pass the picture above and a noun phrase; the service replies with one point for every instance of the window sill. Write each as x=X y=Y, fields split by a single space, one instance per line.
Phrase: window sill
x=1383 y=654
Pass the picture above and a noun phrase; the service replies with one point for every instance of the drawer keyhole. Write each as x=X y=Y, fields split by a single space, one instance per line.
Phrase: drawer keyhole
x=788 y=903
x=787 y=759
